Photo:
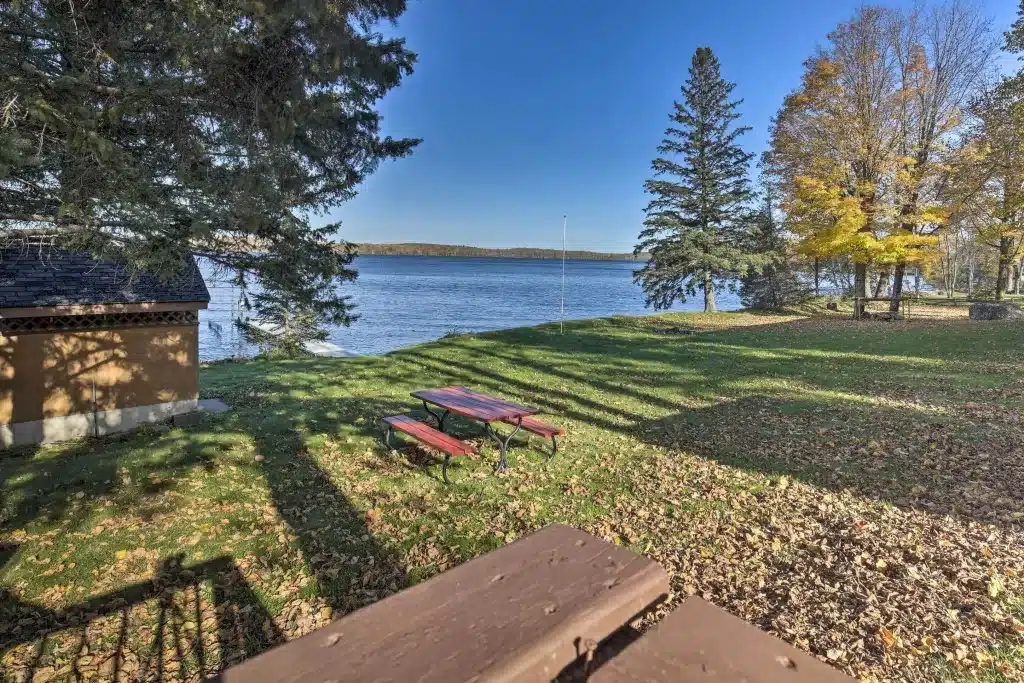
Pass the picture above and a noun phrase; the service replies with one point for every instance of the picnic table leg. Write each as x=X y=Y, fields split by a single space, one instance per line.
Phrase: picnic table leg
x=440 y=418
x=503 y=444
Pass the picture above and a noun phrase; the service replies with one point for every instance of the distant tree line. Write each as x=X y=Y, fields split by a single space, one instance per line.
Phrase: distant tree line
x=900 y=155
x=418 y=249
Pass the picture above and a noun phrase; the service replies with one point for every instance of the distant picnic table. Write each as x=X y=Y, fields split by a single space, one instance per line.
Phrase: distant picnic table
x=474 y=405
x=860 y=306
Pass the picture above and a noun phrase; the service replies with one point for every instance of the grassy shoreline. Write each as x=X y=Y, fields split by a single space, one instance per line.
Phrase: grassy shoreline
x=853 y=488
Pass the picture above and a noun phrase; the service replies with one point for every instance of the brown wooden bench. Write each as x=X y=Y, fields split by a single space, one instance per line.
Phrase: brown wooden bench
x=699 y=642
x=426 y=434
x=521 y=613
x=532 y=424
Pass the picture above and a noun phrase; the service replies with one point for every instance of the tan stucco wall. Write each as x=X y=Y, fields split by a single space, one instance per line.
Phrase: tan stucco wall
x=46 y=375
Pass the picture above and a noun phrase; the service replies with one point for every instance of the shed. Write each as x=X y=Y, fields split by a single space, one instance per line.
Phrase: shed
x=90 y=347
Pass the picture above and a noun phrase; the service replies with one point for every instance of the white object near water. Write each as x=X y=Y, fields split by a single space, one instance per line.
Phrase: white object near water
x=315 y=347
x=326 y=348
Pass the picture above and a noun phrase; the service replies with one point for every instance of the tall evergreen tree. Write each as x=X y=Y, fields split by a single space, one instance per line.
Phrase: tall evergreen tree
x=148 y=131
x=694 y=227
x=777 y=283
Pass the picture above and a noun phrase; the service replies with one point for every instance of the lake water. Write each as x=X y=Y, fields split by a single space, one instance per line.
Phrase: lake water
x=406 y=300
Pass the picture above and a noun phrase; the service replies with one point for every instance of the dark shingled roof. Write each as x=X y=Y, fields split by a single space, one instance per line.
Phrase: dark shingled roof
x=30 y=276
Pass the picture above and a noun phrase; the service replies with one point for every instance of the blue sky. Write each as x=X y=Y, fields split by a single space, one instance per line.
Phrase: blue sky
x=531 y=109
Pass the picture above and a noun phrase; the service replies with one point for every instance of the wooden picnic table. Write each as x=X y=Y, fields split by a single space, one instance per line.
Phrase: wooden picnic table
x=558 y=601
x=521 y=613
x=859 y=305
x=477 y=406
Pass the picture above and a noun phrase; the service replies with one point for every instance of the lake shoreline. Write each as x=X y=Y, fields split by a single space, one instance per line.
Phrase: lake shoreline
x=463 y=251
x=402 y=301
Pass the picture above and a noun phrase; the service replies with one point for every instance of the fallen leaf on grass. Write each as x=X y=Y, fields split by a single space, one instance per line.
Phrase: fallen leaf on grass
x=887 y=637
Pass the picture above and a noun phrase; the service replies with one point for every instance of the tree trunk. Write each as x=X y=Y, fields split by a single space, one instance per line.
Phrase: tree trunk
x=860 y=279
x=970 y=277
x=817 y=276
x=709 y=294
x=917 y=281
x=909 y=209
x=897 y=287
x=1004 y=264
x=860 y=276
x=883 y=281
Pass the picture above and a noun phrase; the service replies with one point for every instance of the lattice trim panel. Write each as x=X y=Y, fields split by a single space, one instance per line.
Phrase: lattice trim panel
x=98 y=321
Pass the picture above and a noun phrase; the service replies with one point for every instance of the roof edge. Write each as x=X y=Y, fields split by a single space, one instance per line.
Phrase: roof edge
x=93 y=309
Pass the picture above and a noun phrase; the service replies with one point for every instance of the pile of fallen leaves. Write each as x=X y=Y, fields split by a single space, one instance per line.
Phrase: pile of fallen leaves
x=871 y=588
x=906 y=550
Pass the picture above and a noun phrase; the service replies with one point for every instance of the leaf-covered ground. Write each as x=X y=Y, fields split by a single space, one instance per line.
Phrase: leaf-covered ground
x=855 y=488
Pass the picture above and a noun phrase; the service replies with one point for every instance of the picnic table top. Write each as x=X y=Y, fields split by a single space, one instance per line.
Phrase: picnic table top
x=548 y=604
x=520 y=613
x=473 y=404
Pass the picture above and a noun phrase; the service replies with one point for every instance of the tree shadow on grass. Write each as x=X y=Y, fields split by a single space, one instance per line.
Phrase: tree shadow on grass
x=289 y=412
x=159 y=637
x=287 y=427
x=832 y=420
x=933 y=462
x=351 y=569
x=185 y=621
x=47 y=484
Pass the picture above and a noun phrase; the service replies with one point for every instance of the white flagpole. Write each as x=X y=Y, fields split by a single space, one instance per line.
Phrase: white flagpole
x=561 y=319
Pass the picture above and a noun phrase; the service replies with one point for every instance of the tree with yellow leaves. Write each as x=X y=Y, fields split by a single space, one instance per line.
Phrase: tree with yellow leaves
x=989 y=180
x=942 y=56
x=863 y=146
x=833 y=143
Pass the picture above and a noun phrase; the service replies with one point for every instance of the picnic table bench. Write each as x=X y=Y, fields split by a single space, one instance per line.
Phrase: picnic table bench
x=424 y=433
x=474 y=405
x=700 y=642
x=546 y=604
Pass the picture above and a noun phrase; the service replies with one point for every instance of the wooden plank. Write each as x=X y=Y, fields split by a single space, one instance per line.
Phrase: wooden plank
x=453 y=399
x=699 y=642
x=452 y=404
x=516 y=614
x=472 y=404
x=429 y=435
x=537 y=427
x=495 y=402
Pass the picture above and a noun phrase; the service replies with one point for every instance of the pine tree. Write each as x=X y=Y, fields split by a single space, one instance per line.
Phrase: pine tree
x=694 y=227
x=777 y=283
x=147 y=131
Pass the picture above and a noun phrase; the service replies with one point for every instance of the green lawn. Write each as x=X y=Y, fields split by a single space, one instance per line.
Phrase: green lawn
x=855 y=488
